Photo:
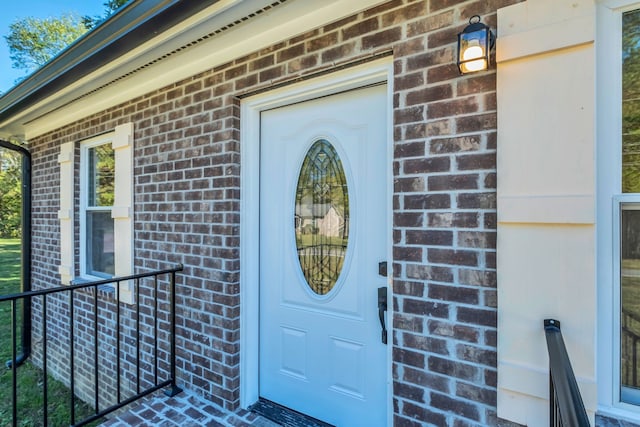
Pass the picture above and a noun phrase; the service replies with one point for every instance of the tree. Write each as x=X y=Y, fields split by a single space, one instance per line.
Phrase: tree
x=110 y=7
x=33 y=41
x=10 y=193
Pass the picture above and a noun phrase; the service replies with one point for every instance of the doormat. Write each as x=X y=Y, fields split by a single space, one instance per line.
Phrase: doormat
x=285 y=416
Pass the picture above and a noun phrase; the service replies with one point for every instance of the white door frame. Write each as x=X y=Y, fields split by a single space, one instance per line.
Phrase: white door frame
x=355 y=77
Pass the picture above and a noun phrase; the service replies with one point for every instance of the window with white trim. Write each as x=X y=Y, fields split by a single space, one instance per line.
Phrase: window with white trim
x=618 y=159
x=97 y=185
x=105 y=210
x=627 y=219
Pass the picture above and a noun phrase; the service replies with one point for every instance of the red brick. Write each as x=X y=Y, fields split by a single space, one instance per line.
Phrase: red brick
x=360 y=28
x=271 y=73
x=456 y=144
x=454 y=107
x=427 y=272
x=476 y=123
x=408 y=219
x=409 y=185
x=325 y=41
x=452 y=368
x=238 y=71
x=408 y=115
x=452 y=257
x=429 y=94
x=340 y=23
x=474 y=84
x=262 y=62
x=429 y=237
x=408 y=81
x=290 y=53
x=458 y=294
x=476 y=161
x=427 y=201
x=477 y=316
x=426 y=165
x=432 y=309
x=477 y=201
x=453 y=219
x=337 y=52
x=424 y=343
x=430 y=23
x=420 y=377
x=408 y=47
x=452 y=330
x=452 y=182
x=382 y=38
x=430 y=58
x=415 y=412
x=411 y=149
x=455 y=406
x=382 y=8
x=301 y=64
x=414 y=289
x=409 y=392
x=407 y=254
x=477 y=239
x=435 y=5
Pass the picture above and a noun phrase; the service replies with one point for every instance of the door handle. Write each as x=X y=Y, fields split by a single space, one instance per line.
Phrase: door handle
x=382 y=307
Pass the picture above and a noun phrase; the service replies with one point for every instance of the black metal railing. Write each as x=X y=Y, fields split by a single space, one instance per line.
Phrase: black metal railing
x=566 y=406
x=143 y=377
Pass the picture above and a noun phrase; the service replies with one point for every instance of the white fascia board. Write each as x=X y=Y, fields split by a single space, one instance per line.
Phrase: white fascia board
x=278 y=24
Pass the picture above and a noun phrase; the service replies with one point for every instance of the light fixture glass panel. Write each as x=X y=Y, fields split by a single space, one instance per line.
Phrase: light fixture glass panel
x=473 y=51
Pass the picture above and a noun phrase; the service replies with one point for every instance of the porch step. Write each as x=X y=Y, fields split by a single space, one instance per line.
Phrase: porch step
x=285 y=416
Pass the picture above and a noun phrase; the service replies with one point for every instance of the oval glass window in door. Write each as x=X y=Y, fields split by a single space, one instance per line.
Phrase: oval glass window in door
x=322 y=217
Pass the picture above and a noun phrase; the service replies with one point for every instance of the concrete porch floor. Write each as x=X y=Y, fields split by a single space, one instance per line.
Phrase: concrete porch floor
x=184 y=410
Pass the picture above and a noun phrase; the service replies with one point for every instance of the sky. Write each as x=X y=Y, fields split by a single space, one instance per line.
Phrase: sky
x=13 y=10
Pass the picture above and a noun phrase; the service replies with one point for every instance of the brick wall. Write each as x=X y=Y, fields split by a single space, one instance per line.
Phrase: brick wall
x=187 y=201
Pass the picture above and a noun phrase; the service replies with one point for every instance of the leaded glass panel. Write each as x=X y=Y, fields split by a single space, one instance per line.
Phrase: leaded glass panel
x=322 y=217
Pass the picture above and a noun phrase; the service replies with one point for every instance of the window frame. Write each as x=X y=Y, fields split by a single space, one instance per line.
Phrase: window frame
x=85 y=146
x=633 y=200
x=610 y=200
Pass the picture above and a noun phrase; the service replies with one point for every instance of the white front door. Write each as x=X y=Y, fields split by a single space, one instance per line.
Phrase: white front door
x=323 y=235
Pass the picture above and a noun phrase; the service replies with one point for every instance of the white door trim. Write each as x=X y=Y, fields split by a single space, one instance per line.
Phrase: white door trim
x=359 y=76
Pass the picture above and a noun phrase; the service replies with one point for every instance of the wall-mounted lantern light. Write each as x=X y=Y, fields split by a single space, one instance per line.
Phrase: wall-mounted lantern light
x=474 y=46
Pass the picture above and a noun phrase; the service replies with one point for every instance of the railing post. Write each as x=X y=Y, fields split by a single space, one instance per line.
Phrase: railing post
x=569 y=408
x=552 y=402
x=173 y=388
x=72 y=409
x=45 y=384
x=96 y=353
x=118 y=395
x=14 y=367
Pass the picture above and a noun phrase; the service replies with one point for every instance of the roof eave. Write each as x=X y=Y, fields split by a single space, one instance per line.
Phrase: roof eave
x=134 y=24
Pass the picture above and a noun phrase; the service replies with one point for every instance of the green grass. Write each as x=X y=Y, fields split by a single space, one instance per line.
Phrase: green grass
x=30 y=378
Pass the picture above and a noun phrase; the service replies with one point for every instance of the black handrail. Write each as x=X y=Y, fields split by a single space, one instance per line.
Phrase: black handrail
x=566 y=406
x=25 y=249
x=73 y=291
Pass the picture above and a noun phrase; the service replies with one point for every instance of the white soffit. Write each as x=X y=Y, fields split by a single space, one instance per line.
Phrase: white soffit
x=106 y=87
